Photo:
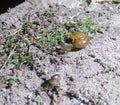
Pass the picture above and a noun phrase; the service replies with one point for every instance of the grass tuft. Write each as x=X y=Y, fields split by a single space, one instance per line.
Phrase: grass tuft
x=16 y=47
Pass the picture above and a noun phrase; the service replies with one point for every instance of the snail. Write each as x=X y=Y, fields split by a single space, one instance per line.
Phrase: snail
x=79 y=40
x=55 y=80
x=52 y=83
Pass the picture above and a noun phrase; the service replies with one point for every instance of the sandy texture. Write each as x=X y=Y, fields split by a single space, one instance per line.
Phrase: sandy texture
x=95 y=70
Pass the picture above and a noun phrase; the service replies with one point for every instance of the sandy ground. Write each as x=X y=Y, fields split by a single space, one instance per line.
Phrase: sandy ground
x=91 y=83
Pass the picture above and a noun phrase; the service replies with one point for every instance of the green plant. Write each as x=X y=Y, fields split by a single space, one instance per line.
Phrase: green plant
x=9 y=44
x=10 y=81
x=19 y=59
x=52 y=38
x=37 y=100
x=16 y=49
x=88 y=26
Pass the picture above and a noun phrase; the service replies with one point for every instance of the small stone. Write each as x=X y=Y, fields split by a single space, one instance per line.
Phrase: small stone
x=88 y=9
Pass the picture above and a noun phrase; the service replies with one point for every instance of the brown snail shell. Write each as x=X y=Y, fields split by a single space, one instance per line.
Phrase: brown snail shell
x=79 y=40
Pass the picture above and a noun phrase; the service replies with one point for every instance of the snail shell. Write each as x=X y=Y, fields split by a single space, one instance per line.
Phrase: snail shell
x=79 y=40
x=55 y=80
x=51 y=83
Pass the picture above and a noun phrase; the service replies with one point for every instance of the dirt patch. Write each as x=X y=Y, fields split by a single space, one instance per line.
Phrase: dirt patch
x=88 y=77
